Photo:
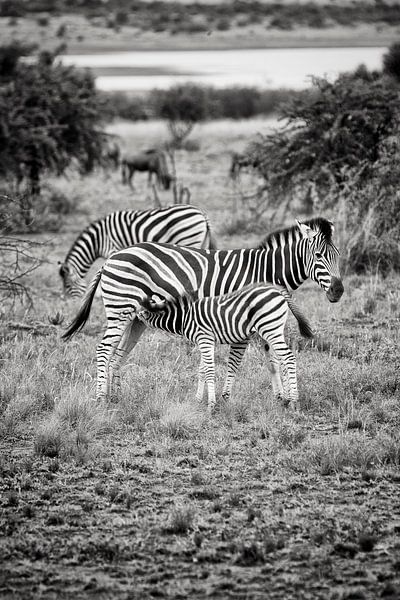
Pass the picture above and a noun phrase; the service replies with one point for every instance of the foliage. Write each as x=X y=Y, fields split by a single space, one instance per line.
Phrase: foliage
x=371 y=209
x=178 y=17
x=391 y=61
x=125 y=106
x=17 y=259
x=338 y=147
x=235 y=102
x=329 y=128
x=182 y=106
x=49 y=117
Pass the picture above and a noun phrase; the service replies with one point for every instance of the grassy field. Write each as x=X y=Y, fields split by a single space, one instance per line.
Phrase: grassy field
x=148 y=497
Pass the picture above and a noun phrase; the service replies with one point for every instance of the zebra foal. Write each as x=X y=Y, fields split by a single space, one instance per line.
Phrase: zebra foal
x=258 y=309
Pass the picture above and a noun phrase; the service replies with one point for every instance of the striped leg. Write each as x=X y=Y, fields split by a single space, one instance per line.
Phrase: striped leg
x=287 y=362
x=273 y=365
x=206 y=348
x=201 y=380
x=236 y=353
x=105 y=351
x=128 y=341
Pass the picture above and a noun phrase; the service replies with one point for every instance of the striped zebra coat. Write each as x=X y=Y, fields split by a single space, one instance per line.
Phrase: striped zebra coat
x=258 y=309
x=285 y=258
x=183 y=225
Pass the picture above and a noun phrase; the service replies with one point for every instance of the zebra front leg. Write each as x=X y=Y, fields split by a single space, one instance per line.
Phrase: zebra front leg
x=127 y=342
x=236 y=353
x=206 y=348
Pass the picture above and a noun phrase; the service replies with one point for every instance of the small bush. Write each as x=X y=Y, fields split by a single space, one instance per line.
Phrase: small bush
x=43 y=21
x=180 y=521
x=281 y=22
x=49 y=438
x=61 y=31
x=223 y=24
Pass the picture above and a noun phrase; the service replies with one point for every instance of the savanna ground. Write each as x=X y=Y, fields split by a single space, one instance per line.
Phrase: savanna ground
x=150 y=498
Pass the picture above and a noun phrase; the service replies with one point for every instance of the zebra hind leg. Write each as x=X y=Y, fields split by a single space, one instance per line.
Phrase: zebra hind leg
x=274 y=369
x=236 y=353
x=105 y=352
x=287 y=362
x=201 y=381
x=128 y=341
x=206 y=348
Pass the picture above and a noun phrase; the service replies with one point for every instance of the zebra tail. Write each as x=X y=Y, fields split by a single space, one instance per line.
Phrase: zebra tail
x=84 y=311
x=302 y=321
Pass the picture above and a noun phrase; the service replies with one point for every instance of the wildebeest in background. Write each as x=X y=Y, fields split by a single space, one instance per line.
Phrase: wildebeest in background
x=242 y=161
x=153 y=161
x=113 y=155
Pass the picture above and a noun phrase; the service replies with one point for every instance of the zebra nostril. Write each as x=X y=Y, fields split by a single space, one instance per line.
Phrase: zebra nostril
x=335 y=290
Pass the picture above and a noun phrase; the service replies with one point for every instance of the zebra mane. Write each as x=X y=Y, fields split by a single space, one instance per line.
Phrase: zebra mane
x=317 y=224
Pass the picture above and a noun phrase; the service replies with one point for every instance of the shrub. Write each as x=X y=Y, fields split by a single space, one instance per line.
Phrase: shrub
x=50 y=117
x=125 y=106
x=43 y=21
x=121 y=17
x=49 y=438
x=223 y=24
x=180 y=520
x=391 y=61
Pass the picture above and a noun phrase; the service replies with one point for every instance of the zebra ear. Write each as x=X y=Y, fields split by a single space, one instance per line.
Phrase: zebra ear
x=306 y=230
x=332 y=227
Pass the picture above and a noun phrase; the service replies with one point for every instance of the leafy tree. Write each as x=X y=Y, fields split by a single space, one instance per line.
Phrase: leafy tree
x=391 y=61
x=183 y=106
x=49 y=117
x=339 y=148
x=329 y=128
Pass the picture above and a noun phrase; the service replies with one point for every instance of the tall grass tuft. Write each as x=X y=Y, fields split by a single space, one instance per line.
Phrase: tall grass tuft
x=181 y=421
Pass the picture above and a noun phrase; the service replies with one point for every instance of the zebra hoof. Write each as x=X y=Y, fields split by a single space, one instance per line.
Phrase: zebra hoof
x=282 y=400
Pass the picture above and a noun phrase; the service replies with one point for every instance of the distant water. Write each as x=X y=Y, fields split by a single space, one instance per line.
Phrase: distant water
x=267 y=68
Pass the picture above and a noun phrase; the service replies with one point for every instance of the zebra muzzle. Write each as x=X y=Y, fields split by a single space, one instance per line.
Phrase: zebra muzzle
x=335 y=291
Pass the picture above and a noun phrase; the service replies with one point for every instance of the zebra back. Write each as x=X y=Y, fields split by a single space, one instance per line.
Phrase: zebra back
x=236 y=310
x=184 y=225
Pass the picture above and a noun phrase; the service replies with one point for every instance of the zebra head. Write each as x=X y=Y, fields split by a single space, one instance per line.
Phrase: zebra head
x=73 y=284
x=322 y=256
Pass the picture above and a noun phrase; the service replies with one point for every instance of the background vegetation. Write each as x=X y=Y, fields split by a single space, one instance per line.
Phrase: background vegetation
x=236 y=102
x=176 y=17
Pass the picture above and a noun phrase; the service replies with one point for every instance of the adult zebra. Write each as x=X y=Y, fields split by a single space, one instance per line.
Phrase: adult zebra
x=257 y=309
x=183 y=225
x=287 y=258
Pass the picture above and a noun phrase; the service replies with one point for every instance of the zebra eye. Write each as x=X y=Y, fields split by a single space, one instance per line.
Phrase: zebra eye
x=318 y=255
